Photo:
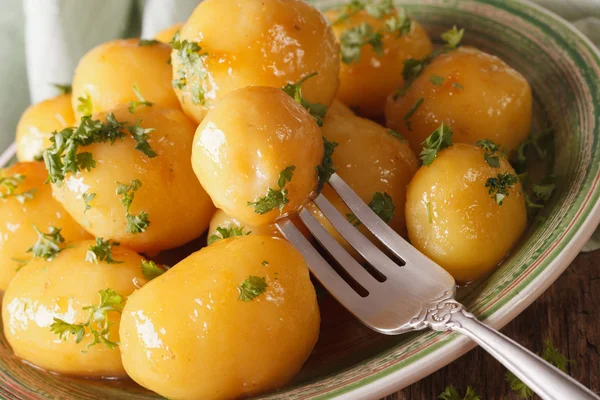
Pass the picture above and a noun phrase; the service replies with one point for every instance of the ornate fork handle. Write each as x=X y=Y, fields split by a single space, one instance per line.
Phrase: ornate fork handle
x=446 y=314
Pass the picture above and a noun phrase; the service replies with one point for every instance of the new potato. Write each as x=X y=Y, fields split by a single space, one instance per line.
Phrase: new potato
x=452 y=219
x=166 y=35
x=200 y=341
x=61 y=288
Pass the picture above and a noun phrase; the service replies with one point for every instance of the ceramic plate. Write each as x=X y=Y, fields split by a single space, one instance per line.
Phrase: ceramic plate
x=352 y=362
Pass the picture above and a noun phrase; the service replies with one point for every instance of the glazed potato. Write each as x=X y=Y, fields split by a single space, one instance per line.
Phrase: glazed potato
x=337 y=107
x=242 y=157
x=274 y=42
x=106 y=76
x=475 y=93
x=208 y=317
x=375 y=163
x=30 y=204
x=38 y=122
x=453 y=219
x=62 y=288
x=235 y=228
x=177 y=207
x=366 y=80
x=166 y=35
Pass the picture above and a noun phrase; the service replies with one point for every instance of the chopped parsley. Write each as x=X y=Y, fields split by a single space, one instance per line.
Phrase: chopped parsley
x=97 y=322
x=453 y=37
x=265 y=263
x=85 y=105
x=102 y=251
x=450 y=393
x=326 y=169
x=381 y=204
x=136 y=223
x=140 y=135
x=128 y=192
x=150 y=270
x=141 y=100
x=188 y=54
x=63 y=89
x=353 y=40
x=492 y=152
x=429 y=213
x=396 y=134
x=294 y=90
x=148 y=42
x=457 y=85
x=543 y=191
x=10 y=184
x=87 y=198
x=21 y=262
x=275 y=198
x=226 y=233
x=251 y=288
x=412 y=110
x=48 y=244
x=399 y=23
x=375 y=9
x=436 y=80
x=499 y=185
x=440 y=139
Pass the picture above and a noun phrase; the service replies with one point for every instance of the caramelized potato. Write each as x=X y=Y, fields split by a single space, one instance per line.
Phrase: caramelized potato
x=62 y=288
x=38 y=122
x=248 y=295
x=242 y=157
x=274 y=42
x=177 y=207
x=30 y=204
x=454 y=220
x=107 y=76
x=166 y=35
x=476 y=94
x=366 y=81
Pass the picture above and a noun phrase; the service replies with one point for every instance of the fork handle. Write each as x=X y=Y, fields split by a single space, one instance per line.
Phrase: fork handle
x=547 y=381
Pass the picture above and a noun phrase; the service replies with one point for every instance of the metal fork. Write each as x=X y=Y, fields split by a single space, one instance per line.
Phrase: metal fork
x=418 y=295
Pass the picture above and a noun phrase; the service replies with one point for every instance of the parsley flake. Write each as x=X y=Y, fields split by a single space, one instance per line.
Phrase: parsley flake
x=543 y=191
x=450 y=393
x=251 y=288
x=147 y=42
x=440 y=139
x=326 y=169
x=383 y=206
x=400 y=23
x=9 y=186
x=436 y=80
x=353 y=39
x=63 y=89
x=453 y=37
x=265 y=263
x=101 y=251
x=457 y=85
x=412 y=110
x=499 y=185
x=188 y=53
x=141 y=100
x=97 y=322
x=140 y=135
x=294 y=90
x=150 y=270
x=375 y=9
x=275 y=198
x=429 y=213
x=87 y=198
x=21 y=262
x=48 y=244
x=491 y=152
x=396 y=134
x=136 y=223
x=85 y=105
x=226 y=233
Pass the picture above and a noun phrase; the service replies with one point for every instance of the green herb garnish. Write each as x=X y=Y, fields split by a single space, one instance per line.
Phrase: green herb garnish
x=87 y=198
x=491 y=152
x=440 y=139
x=150 y=270
x=275 y=198
x=10 y=184
x=251 y=288
x=353 y=40
x=102 y=251
x=48 y=244
x=148 y=42
x=383 y=206
x=498 y=186
x=225 y=233
x=412 y=110
x=135 y=223
x=294 y=90
x=396 y=134
x=63 y=89
x=436 y=80
x=85 y=105
x=188 y=53
x=450 y=393
x=326 y=169
x=141 y=100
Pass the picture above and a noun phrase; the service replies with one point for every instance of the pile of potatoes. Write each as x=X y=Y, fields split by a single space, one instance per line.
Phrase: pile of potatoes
x=219 y=131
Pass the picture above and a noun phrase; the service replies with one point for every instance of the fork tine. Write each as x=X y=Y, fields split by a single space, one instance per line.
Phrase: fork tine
x=352 y=267
x=363 y=245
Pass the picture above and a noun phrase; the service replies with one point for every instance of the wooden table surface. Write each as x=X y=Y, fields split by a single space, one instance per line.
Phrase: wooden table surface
x=568 y=313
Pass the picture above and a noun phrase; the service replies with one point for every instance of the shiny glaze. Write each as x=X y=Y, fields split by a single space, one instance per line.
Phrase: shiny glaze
x=220 y=219
x=469 y=233
x=38 y=122
x=44 y=290
x=167 y=34
x=269 y=43
x=108 y=72
x=170 y=192
x=365 y=85
x=238 y=155
x=200 y=342
x=16 y=220
x=493 y=103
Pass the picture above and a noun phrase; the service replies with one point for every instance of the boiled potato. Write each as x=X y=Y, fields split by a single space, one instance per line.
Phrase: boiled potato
x=207 y=319
x=274 y=42
x=166 y=35
x=376 y=164
x=110 y=74
x=241 y=157
x=177 y=207
x=476 y=94
x=38 y=122
x=30 y=204
x=366 y=81
x=62 y=288
x=337 y=107
x=453 y=219
x=235 y=228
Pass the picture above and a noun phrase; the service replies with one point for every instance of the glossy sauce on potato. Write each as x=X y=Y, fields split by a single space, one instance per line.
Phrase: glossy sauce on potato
x=170 y=193
x=239 y=156
x=479 y=97
x=274 y=42
x=201 y=328
x=107 y=75
x=452 y=218
x=17 y=218
x=366 y=83
x=166 y=35
x=61 y=288
x=38 y=122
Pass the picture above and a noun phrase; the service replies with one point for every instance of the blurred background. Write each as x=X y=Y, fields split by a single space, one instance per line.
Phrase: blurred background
x=42 y=40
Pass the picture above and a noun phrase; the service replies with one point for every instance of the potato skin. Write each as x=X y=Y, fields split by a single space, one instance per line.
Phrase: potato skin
x=17 y=220
x=238 y=156
x=220 y=219
x=200 y=328
x=469 y=233
x=61 y=288
x=170 y=192
x=274 y=42
x=167 y=34
x=493 y=103
x=37 y=123
x=365 y=85
x=108 y=72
